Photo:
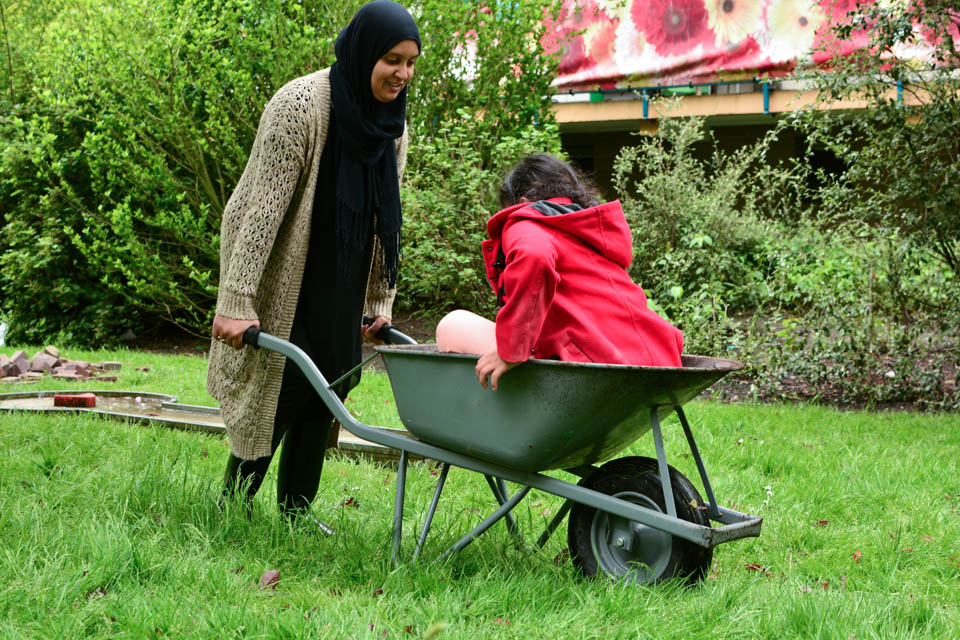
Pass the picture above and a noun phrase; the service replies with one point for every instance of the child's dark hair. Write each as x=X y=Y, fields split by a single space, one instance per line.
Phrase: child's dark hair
x=544 y=176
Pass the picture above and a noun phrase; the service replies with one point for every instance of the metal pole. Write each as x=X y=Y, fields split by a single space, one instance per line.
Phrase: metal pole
x=431 y=510
x=713 y=511
x=557 y=519
x=398 y=506
x=662 y=461
x=499 y=488
x=486 y=524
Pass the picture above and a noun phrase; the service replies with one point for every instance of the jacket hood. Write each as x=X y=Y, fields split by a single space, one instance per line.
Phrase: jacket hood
x=603 y=227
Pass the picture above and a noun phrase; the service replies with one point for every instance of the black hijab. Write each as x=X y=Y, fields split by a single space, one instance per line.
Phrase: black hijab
x=366 y=160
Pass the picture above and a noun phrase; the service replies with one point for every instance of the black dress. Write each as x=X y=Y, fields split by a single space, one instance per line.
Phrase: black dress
x=326 y=326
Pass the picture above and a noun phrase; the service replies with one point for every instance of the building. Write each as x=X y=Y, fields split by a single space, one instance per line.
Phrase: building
x=738 y=63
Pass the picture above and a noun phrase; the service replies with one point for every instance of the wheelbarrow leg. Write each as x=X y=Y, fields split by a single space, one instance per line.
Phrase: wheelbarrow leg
x=662 y=462
x=432 y=510
x=557 y=519
x=712 y=509
x=489 y=522
x=499 y=488
x=398 y=506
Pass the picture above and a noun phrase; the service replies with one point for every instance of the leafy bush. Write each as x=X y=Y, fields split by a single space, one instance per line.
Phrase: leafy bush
x=902 y=153
x=875 y=274
x=700 y=225
x=480 y=103
x=138 y=125
x=448 y=199
x=863 y=329
x=137 y=119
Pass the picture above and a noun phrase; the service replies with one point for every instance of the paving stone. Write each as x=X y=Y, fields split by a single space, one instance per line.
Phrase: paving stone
x=43 y=362
x=10 y=379
x=32 y=375
x=19 y=355
x=77 y=366
x=67 y=375
x=52 y=351
x=112 y=366
x=104 y=378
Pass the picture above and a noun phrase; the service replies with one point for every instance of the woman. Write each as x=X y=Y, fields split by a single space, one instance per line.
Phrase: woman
x=309 y=242
x=558 y=262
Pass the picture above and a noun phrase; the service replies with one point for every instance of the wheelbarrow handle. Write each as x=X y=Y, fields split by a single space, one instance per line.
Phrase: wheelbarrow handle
x=387 y=333
x=252 y=336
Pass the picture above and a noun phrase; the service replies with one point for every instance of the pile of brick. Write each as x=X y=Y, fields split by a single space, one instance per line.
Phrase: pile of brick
x=19 y=368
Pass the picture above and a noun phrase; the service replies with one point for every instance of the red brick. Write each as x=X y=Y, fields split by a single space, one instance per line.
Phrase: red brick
x=85 y=400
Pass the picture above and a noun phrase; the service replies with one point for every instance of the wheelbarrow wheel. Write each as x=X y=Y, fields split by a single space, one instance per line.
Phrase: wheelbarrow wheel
x=626 y=550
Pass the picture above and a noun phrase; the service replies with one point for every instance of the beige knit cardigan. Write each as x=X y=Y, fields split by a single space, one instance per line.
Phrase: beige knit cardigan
x=264 y=237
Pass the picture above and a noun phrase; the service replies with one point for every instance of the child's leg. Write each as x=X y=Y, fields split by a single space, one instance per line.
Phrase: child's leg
x=462 y=331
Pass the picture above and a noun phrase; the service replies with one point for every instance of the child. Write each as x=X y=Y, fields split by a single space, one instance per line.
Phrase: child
x=557 y=260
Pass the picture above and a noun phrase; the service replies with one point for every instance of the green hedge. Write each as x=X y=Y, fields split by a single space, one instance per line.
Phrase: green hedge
x=128 y=123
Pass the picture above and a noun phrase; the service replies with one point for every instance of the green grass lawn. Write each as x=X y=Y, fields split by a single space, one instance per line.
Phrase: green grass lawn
x=111 y=530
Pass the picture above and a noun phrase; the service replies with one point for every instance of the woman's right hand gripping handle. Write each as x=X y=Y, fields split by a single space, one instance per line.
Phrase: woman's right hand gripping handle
x=231 y=331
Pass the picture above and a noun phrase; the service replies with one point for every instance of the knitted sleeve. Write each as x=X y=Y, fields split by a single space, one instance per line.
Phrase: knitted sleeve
x=258 y=205
x=379 y=293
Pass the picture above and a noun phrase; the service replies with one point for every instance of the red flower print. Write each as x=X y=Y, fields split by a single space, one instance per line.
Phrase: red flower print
x=672 y=27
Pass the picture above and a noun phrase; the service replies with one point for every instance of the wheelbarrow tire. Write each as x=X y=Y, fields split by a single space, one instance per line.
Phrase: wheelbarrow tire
x=644 y=555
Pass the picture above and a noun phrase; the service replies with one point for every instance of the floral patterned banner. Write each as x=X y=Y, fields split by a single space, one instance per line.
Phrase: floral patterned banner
x=606 y=44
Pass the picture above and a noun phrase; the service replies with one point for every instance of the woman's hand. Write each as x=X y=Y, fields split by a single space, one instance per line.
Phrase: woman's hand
x=230 y=330
x=369 y=331
x=494 y=366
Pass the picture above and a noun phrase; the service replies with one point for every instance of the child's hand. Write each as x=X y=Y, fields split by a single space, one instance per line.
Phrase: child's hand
x=494 y=366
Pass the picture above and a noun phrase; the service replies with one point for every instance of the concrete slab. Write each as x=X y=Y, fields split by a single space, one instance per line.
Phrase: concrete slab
x=154 y=408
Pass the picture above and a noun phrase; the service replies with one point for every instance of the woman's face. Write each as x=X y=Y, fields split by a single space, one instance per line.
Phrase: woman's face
x=394 y=70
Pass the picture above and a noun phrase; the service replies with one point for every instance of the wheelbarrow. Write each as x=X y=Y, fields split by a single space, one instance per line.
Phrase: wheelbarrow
x=552 y=415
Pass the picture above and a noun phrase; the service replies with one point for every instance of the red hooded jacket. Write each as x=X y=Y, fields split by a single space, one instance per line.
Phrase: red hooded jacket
x=560 y=273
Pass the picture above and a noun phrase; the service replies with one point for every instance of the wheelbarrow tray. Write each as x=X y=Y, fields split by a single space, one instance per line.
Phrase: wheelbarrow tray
x=545 y=414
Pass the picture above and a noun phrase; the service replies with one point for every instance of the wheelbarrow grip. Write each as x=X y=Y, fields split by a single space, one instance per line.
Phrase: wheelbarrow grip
x=252 y=337
x=388 y=333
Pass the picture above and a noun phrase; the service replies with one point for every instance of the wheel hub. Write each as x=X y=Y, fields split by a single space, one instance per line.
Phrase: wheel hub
x=627 y=549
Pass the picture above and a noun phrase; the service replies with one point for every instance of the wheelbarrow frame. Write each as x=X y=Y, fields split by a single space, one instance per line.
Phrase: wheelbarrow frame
x=735 y=525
